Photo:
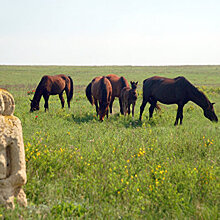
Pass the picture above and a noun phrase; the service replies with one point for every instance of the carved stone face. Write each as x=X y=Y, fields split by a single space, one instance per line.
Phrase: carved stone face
x=12 y=157
x=7 y=103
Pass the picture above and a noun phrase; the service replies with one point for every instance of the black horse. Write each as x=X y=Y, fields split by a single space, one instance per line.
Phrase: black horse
x=174 y=91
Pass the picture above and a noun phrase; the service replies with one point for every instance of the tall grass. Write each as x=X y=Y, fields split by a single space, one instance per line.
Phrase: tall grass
x=78 y=167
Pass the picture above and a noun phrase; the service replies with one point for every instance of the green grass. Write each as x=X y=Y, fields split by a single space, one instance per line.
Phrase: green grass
x=78 y=167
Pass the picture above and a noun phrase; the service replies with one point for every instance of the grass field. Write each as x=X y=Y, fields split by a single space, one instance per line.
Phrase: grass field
x=78 y=167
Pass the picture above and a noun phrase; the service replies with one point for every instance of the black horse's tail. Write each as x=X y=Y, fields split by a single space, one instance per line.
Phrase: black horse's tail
x=71 y=89
x=89 y=93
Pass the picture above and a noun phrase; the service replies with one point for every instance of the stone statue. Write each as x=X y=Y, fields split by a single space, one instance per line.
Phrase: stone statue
x=12 y=156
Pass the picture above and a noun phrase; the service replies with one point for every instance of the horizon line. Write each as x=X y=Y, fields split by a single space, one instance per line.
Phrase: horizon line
x=105 y=65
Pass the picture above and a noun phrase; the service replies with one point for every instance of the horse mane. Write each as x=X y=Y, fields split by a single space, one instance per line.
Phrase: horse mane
x=197 y=94
x=38 y=92
x=144 y=81
x=103 y=89
x=89 y=93
x=123 y=82
x=71 y=88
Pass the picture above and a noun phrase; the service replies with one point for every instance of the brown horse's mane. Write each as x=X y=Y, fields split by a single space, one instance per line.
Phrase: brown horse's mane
x=197 y=96
x=38 y=93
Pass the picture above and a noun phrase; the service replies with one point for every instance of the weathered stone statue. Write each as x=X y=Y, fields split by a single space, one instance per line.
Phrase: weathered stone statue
x=12 y=156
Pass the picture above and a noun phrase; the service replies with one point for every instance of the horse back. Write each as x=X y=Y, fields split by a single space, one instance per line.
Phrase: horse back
x=101 y=89
x=166 y=90
x=118 y=83
x=54 y=85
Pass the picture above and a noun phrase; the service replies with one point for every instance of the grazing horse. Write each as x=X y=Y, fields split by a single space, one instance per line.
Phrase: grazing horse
x=100 y=90
x=174 y=91
x=52 y=85
x=118 y=83
x=128 y=97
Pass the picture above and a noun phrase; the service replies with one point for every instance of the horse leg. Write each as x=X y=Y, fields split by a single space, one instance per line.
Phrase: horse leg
x=152 y=107
x=179 y=115
x=96 y=106
x=68 y=96
x=142 y=108
x=133 y=105
x=129 y=110
x=121 y=107
x=68 y=99
x=124 y=107
x=107 y=113
x=110 y=105
x=61 y=99
x=46 y=98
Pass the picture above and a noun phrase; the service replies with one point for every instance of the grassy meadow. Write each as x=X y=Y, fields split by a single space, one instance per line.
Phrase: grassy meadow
x=78 y=167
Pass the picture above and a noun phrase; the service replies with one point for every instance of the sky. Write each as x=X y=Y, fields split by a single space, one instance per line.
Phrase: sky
x=113 y=32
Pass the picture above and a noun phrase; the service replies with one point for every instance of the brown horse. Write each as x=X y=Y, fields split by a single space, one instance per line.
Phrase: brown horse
x=52 y=85
x=174 y=91
x=128 y=97
x=118 y=83
x=100 y=90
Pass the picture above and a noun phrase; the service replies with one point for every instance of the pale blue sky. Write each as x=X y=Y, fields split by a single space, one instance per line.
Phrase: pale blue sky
x=114 y=32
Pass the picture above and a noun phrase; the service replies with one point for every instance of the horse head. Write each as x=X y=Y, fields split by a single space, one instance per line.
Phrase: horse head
x=132 y=92
x=210 y=113
x=134 y=85
x=103 y=110
x=34 y=105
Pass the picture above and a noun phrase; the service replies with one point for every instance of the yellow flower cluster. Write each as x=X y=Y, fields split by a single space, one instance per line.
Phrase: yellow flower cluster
x=159 y=176
x=207 y=142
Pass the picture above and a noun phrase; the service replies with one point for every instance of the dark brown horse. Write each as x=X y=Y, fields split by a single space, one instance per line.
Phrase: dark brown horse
x=174 y=91
x=118 y=83
x=128 y=97
x=100 y=90
x=52 y=85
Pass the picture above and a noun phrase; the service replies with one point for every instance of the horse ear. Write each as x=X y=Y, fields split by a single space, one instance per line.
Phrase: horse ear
x=213 y=103
x=131 y=82
x=136 y=82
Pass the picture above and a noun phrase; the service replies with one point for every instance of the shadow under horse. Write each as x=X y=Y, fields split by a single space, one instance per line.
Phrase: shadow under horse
x=99 y=92
x=52 y=85
x=174 y=91
x=128 y=97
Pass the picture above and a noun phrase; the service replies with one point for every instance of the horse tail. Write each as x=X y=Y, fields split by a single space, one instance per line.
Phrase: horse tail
x=89 y=93
x=124 y=82
x=71 y=89
x=103 y=89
